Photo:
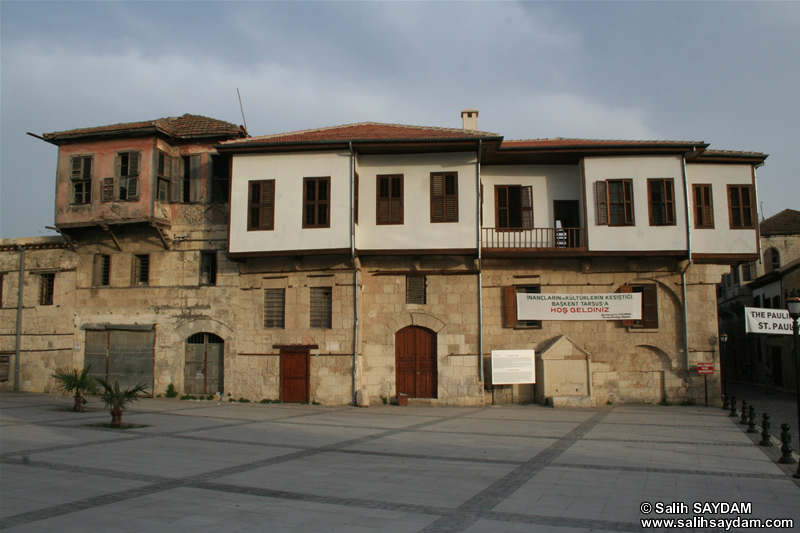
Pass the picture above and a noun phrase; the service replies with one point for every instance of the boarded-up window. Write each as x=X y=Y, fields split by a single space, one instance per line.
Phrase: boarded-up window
x=102 y=270
x=274 y=308
x=390 y=199
x=661 y=201
x=415 y=290
x=121 y=355
x=510 y=319
x=703 y=206
x=513 y=206
x=47 y=288
x=740 y=206
x=444 y=197
x=649 y=294
x=321 y=307
x=261 y=205
x=316 y=202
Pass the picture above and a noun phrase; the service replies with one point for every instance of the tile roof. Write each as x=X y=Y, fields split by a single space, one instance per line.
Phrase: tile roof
x=364 y=131
x=185 y=127
x=560 y=142
x=784 y=223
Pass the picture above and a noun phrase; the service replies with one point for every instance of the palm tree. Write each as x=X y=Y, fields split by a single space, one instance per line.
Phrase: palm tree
x=76 y=383
x=116 y=400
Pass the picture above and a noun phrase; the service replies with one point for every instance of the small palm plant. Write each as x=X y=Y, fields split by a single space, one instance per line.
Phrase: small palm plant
x=116 y=399
x=76 y=383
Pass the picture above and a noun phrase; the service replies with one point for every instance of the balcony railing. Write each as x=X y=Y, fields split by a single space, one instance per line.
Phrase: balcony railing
x=533 y=238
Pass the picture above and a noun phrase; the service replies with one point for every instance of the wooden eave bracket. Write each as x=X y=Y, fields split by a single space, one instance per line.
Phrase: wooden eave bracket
x=107 y=229
x=161 y=236
x=66 y=237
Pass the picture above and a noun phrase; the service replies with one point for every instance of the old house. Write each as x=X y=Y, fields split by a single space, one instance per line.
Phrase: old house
x=392 y=261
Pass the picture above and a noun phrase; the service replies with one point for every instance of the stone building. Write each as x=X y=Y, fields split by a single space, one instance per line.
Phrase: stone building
x=384 y=261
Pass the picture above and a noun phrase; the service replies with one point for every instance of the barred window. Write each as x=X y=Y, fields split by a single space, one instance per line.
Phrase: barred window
x=415 y=290
x=274 y=308
x=321 y=307
x=47 y=289
x=208 y=268
x=102 y=270
x=141 y=269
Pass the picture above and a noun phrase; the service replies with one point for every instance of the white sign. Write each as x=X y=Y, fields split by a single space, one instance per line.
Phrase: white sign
x=771 y=321
x=510 y=367
x=618 y=306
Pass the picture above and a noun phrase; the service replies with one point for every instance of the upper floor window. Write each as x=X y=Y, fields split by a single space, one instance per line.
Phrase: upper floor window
x=128 y=174
x=661 y=200
x=192 y=186
x=703 y=206
x=81 y=176
x=614 y=202
x=47 y=288
x=444 y=197
x=261 y=205
x=513 y=206
x=772 y=260
x=316 y=202
x=390 y=199
x=510 y=314
x=740 y=206
x=220 y=179
x=164 y=177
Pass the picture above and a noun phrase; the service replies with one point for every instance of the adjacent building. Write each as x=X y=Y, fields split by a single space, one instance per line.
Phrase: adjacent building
x=389 y=261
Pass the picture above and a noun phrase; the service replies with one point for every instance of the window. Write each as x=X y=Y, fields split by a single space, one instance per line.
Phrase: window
x=5 y=367
x=102 y=270
x=649 y=318
x=444 y=197
x=141 y=269
x=661 y=200
x=415 y=290
x=747 y=271
x=47 y=289
x=208 y=268
x=513 y=206
x=355 y=199
x=164 y=176
x=614 y=202
x=128 y=172
x=220 y=179
x=316 y=202
x=321 y=307
x=274 y=308
x=740 y=206
x=82 y=179
x=390 y=199
x=261 y=205
x=2 y=279
x=703 y=206
x=192 y=186
x=510 y=307
x=772 y=260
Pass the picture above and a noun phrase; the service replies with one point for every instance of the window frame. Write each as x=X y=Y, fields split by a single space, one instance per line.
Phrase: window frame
x=391 y=207
x=265 y=205
x=163 y=176
x=208 y=268
x=740 y=209
x=524 y=191
x=128 y=167
x=312 y=208
x=101 y=275
x=665 y=205
x=81 y=178
x=416 y=292
x=649 y=292
x=320 y=308
x=141 y=270
x=704 y=209
x=444 y=204
x=275 y=308
x=510 y=306
x=220 y=178
x=47 y=288
x=191 y=179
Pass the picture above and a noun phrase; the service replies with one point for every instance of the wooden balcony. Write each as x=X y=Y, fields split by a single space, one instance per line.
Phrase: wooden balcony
x=549 y=241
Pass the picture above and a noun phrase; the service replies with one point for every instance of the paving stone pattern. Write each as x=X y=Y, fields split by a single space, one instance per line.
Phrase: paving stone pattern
x=227 y=467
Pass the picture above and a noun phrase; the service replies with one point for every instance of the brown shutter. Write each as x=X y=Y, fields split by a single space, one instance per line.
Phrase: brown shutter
x=669 y=193
x=501 y=206
x=601 y=202
x=626 y=289
x=267 y=204
x=133 y=187
x=509 y=307
x=526 y=194
x=176 y=180
x=133 y=165
x=650 y=306
x=437 y=198
x=397 y=200
x=76 y=168
x=195 y=176
x=108 y=189
x=383 y=200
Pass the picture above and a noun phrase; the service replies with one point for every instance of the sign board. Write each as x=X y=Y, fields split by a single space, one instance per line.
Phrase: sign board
x=511 y=367
x=618 y=306
x=770 y=321
x=705 y=368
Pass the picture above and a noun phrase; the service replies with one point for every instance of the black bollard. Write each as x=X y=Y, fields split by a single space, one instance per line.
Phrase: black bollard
x=733 y=406
x=743 y=421
x=751 y=420
x=786 y=449
x=726 y=401
x=765 y=436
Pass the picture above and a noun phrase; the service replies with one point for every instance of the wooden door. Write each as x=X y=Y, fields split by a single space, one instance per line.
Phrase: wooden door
x=415 y=362
x=204 y=364
x=294 y=375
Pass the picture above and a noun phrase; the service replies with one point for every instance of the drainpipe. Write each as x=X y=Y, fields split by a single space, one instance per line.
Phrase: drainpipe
x=19 y=316
x=480 y=266
x=686 y=198
x=355 y=268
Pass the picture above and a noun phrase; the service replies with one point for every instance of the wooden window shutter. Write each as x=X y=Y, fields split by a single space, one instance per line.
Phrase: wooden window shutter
x=703 y=207
x=176 y=180
x=76 y=168
x=108 y=189
x=626 y=289
x=649 y=306
x=397 y=200
x=437 y=198
x=601 y=202
x=444 y=197
x=261 y=205
x=390 y=199
x=383 y=207
x=526 y=197
x=195 y=175
x=133 y=164
x=133 y=187
x=501 y=206
x=509 y=307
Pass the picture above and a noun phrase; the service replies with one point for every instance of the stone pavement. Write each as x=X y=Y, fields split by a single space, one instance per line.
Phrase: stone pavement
x=225 y=467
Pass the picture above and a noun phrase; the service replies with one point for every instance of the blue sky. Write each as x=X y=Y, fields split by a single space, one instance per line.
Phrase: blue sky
x=727 y=73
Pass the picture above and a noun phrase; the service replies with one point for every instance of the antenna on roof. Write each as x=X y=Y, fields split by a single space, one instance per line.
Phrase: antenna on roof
x=242 y=108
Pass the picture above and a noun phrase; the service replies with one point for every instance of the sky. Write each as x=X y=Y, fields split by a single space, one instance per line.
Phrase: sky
x=726 y=73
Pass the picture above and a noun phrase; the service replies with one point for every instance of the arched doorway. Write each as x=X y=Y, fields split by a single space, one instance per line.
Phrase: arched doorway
x=415 y=362
x=203 y=372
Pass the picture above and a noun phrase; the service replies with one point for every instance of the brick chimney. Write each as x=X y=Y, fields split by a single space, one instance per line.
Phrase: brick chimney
x=469 y=119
